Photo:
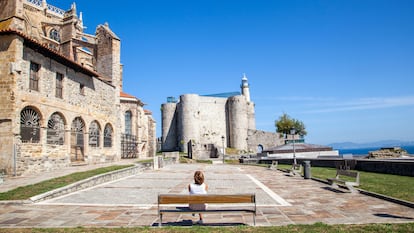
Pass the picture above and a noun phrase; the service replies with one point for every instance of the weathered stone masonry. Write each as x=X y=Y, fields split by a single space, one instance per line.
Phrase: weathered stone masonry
x=60 y=90
x=198 y=124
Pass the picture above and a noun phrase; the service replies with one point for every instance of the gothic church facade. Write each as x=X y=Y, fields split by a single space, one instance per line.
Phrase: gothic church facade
x=62 y=101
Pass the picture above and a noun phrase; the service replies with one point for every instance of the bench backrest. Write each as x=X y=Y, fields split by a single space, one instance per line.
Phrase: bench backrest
x=205 y=198
x=347 y=173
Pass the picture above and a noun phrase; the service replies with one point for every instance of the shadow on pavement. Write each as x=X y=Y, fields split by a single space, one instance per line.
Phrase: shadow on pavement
x=391 y=216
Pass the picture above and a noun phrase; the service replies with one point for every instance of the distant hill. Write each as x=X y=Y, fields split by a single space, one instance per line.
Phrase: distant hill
x=384 y=143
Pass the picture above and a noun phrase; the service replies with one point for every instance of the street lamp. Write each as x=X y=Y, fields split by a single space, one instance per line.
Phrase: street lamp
x=293 y=132
x=222 y=140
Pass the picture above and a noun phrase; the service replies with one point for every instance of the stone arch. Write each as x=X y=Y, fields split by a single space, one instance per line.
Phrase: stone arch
x=30 y=119
x=94 y=134
x=77 y=148
x=260 y=148
x=56 y=129
x=108 y=132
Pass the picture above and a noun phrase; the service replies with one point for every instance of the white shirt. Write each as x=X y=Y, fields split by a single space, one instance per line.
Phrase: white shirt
x=198 y=189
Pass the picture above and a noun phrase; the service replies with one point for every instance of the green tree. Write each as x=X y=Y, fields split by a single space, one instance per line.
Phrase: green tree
x=285 y=124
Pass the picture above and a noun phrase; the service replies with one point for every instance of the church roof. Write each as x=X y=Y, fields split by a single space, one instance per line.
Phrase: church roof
x=43 y=49
x=127 y=97
x=223 y=95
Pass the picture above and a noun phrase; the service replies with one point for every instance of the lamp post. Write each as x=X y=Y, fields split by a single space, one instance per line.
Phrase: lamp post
x=293 y=132
x=222 y=140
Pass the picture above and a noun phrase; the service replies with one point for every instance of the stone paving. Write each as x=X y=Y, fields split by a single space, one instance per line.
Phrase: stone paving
x=132 y=201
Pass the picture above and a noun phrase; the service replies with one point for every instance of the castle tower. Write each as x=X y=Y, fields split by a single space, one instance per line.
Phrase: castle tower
x=169 y=127
x=238 y=121
x=188 y=120
x=245 y=88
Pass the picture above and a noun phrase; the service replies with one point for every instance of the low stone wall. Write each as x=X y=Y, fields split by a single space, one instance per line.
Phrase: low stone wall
x=92 y=181
x=403 y=167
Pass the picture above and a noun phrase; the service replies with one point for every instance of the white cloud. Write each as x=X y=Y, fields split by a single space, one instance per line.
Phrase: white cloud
x=337 y=105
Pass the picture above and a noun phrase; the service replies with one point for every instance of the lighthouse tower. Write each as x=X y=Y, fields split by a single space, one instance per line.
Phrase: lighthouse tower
x=245 y=88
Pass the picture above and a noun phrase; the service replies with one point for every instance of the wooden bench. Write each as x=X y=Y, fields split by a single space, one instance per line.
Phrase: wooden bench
x=273 y=166
x=345 y=173
x=223 y=203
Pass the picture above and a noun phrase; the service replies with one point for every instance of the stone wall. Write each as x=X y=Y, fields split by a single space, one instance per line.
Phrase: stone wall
x=263 y=139
x=95 y=104
x=204 y=120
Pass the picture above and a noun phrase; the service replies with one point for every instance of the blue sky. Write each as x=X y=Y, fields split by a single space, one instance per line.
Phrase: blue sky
x=345 y=68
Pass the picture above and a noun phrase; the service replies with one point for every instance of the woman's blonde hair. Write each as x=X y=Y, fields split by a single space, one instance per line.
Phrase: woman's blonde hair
x=199 y=177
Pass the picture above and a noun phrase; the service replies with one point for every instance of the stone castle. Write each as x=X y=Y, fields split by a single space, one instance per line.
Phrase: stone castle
x=62 y=101
x=203 y=126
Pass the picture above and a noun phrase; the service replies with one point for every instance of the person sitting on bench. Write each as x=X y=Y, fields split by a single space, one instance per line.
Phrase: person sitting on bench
x=198 y=187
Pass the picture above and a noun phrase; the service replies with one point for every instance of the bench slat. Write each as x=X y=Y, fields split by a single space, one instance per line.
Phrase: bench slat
x=205 y=211
x=347 y=173
x=210 y=198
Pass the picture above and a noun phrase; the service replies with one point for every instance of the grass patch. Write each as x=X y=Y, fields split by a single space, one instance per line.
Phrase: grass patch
x=401 y=187
x=145 y=161
x=25 y=192
x=314 y=228
x=204 y=161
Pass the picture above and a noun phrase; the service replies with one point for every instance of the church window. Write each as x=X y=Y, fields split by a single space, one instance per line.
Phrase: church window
x=54 y=35
x=59 y=85
x=34 y=76
x=29 y=125
x=55 y=130
x=108 y=136
x=94 y=134
x=128 y=122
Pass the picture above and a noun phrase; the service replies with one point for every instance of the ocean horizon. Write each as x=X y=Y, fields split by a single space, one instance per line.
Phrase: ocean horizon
x=365 y=151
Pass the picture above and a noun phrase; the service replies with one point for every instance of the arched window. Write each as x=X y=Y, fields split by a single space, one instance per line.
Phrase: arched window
x=108 y=135
x=128 y=122
x=77 y=140
x=29 y=125
x=94 y=134
x=259 y=148
x=56 y=129
x=77 y=131
x=54 y=35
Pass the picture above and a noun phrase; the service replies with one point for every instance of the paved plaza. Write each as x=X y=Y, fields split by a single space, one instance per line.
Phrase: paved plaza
x=132 y=201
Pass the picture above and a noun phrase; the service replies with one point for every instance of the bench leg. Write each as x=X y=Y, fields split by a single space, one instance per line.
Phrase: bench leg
x=160 y=222
x=351 y=188
x=254 y=219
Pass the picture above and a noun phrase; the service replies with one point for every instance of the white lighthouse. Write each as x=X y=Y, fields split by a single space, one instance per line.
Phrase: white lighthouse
x=245 y=88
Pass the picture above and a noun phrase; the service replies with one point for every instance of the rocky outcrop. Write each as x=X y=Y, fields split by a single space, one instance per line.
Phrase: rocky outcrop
x=388 y=152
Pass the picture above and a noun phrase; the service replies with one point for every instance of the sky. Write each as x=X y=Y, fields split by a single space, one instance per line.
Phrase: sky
x=345 y=68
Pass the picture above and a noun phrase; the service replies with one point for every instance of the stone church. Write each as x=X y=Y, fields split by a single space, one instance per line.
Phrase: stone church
x=62 y=101
x=203 y=125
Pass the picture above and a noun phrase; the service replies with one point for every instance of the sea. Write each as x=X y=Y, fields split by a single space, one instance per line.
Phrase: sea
x=361 y=152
